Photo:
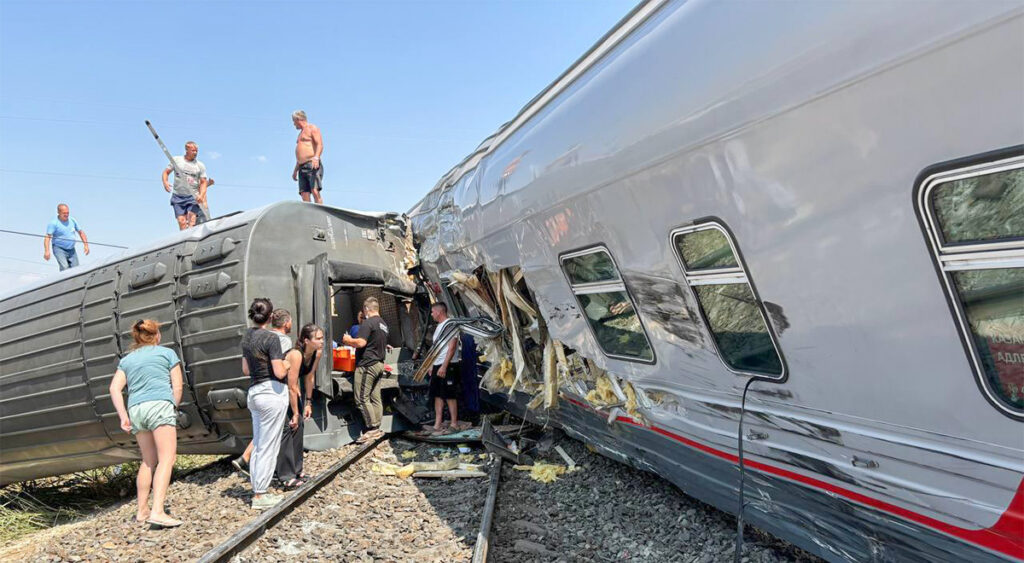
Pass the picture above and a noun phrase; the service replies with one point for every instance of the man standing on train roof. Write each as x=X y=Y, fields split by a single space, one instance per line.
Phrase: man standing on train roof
x=61 y=230
x=189 y=175
x=371 y=345
x=309 y=171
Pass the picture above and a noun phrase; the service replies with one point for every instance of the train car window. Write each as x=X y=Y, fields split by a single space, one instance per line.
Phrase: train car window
x=590 y=268
x=731 y=309
x=607 y=305
x=707 y=249
x=974 y=221
x=989 y=207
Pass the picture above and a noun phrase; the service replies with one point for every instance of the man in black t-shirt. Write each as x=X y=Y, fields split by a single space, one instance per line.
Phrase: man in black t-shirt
x=370 y=344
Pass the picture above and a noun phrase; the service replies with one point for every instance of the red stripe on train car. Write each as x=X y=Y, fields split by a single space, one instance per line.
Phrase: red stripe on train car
x=1005 y=536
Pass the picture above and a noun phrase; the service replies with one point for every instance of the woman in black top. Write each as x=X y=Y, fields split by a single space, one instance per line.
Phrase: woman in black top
x=302 y=361
x=263 y=362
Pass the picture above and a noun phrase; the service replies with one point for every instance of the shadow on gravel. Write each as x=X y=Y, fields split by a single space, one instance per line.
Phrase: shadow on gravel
x=240 y=492
x=456 y=503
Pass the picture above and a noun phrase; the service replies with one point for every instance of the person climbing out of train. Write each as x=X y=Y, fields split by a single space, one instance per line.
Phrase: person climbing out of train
x=371 y=345
x=189 y=175
x=152 y=374
x=263 y=363
x=302 y=362
x=61 y=232
x=444 y=377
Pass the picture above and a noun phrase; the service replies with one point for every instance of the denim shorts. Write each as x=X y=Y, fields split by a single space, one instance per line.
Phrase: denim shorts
x=311 y=178
x=147 y=416
x=184 y=204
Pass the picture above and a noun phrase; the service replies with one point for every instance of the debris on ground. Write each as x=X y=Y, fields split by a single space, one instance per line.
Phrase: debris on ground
x=568 y=460
x=613 y=512
x=545 y=472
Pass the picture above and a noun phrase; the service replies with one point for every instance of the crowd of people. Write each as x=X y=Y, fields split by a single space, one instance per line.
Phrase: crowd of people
x=280 y=390
x=189 y=190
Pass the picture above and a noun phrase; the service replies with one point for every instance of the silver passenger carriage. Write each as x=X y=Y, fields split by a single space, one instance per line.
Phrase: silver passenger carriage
x=817 y=207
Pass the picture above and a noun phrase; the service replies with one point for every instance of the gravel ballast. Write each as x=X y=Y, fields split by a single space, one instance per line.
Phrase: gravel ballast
x=606 y=511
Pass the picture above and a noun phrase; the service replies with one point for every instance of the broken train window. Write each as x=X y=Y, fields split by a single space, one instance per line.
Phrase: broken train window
x=732 y=311
x=974 y=221
x=606 y=303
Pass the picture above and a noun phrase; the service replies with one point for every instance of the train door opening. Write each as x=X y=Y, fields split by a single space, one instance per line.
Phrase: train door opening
x=331 y=294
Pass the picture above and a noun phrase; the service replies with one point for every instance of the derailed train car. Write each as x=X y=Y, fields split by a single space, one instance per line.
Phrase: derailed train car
x=785 y=233
x=60 y=341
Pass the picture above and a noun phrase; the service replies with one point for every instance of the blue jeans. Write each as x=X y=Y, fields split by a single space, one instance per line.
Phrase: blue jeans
x=66 y=257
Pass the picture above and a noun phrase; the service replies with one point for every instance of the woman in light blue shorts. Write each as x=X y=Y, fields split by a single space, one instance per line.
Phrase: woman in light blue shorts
x=152 y=374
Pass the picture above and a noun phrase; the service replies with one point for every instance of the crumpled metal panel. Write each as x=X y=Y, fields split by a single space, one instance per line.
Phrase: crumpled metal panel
x=824 y=219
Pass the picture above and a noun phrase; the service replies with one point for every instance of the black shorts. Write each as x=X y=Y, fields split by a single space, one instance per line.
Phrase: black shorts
x=446 y=387
x=311 y=178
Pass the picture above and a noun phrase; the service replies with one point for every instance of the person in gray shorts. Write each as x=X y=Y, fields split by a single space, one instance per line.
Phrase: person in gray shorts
x=152 y=374
x=309 y=170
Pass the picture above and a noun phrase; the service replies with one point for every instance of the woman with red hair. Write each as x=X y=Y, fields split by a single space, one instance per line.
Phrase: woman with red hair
x=152 y=374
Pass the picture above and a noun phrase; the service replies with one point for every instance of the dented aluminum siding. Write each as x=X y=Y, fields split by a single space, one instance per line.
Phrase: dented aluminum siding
x=793 y=138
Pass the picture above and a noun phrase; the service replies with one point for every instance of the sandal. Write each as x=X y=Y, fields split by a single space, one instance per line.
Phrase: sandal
x=294 y=483
x=442 y=432
x=172 y=523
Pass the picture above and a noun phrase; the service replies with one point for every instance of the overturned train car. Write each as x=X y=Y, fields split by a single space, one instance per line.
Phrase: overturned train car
x=61 y=340
x=815 y=207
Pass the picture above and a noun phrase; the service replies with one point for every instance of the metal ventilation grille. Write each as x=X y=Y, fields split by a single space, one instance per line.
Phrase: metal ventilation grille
x=388 y=312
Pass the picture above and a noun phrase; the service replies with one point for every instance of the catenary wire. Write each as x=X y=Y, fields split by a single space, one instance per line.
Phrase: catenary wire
x=59 y=238
x=154 y=179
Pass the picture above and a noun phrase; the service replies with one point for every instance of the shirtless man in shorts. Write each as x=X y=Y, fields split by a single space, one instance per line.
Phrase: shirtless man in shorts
x=309 y=171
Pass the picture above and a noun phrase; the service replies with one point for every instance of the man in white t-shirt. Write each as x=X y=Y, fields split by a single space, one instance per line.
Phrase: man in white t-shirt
x=188 y=197
x=444 y=376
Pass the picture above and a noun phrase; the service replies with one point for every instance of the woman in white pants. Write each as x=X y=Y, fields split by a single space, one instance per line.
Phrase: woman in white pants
x=263 y=362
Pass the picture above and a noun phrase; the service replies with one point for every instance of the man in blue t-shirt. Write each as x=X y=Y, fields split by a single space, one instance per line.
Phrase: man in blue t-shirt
x=62 y=231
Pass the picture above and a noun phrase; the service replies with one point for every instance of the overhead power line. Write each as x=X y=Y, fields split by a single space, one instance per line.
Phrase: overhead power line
x=59 y=238
x=156 y=179
x=340 y=131
x=35 y=262
x=33 y=274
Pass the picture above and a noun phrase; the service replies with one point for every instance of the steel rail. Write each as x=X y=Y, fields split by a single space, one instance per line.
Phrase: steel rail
x=483 y=536
x=253 y=530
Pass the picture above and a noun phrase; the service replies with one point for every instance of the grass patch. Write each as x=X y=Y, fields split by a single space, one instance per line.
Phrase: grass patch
x=43 y=503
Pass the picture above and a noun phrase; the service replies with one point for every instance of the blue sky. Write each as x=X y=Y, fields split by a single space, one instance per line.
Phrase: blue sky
x=401 y=90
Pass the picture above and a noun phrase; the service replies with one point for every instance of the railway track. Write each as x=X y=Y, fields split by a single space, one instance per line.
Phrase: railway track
x=253 y=530
x=352 y=512
x=270 y=535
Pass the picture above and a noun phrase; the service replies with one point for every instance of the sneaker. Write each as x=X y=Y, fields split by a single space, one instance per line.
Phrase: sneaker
x=242 y=467
x=265 y=501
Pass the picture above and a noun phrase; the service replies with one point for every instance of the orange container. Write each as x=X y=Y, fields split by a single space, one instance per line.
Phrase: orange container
x=343 y=360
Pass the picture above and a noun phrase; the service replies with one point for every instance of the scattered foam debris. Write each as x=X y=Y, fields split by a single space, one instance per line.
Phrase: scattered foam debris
x=545 y=472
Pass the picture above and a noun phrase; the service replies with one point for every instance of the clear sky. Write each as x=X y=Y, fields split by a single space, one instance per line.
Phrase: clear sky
x=401 y=90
